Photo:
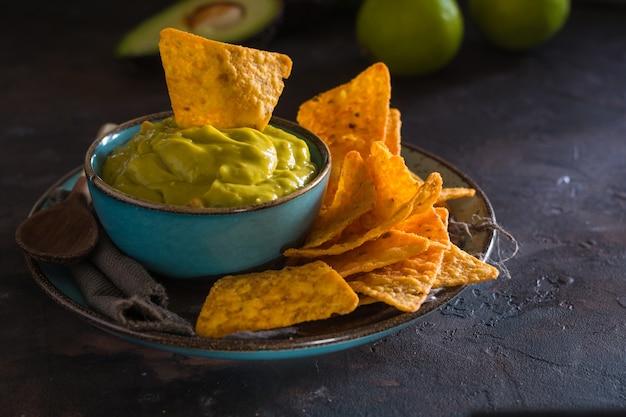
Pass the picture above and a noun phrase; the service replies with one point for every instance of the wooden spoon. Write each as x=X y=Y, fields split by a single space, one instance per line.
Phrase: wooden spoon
x=63 y=233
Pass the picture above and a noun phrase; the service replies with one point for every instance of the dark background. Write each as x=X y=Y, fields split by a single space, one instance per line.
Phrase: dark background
x=543 y=133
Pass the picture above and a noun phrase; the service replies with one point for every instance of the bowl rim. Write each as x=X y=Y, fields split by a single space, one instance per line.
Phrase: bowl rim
x=98 y=183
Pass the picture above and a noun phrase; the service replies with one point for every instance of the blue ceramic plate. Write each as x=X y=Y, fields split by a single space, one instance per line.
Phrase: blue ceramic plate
x=366 y=324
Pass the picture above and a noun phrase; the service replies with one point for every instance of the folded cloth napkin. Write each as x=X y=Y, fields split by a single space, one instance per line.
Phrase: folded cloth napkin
x=120 y=288
x=123 y=290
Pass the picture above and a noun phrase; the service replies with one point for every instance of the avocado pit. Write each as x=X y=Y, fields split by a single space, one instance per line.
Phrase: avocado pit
x=216 y=16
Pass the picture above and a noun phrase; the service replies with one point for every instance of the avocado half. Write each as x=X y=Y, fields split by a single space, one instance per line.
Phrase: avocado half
x=236 y=21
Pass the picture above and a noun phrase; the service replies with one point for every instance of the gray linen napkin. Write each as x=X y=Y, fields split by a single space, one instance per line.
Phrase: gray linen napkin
x=120 y=288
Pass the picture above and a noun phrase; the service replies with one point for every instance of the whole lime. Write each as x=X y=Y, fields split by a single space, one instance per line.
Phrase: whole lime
x=519 y=24
x=412 y=37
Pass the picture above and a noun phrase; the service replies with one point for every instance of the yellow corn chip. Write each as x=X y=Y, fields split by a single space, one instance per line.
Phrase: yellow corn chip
x=356 y=196
x=400 y=290
x=336 y=172
x=444 y=215
x=406 y=284
x=431 y=224
x=392 y=132
x=428 y=193
x=350 y=117
x=219 y=84
x=391 y=247
x=353 y=237
x=366 y=300
x=358 y=108
x=273 y=299
x=390 y=194
x=451 y=193
x=461 y=268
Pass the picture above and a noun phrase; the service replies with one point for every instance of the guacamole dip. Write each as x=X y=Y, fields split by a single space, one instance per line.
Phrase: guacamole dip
x=207 y=167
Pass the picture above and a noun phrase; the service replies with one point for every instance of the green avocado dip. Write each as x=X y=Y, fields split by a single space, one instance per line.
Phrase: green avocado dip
x=207 y=167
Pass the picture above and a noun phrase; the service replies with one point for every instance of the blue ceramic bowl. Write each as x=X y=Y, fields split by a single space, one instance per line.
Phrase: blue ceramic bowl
x=187 y=242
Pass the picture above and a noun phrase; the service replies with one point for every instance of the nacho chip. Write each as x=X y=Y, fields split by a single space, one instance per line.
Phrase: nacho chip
x=431 y=224
x=392 y=132
x=336 y=170
x=444 y=216
x=396 y=288
x=451 y=193
x=359 y=108
x=461 y=268
x=350 y=117
x=404 y=285
x=274 y=298
x=391 y=247
x=366 y=300
x=356 y=196
x=219 y=84
x=353 y=237
x=356 y=234
x=390 y=194
x=428 y=193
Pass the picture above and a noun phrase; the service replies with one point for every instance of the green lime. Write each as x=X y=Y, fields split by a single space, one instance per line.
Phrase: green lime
x=519 y=24
x=412 y=37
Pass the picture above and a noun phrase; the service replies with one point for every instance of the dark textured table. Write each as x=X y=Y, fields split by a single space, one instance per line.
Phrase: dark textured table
x=543 y=133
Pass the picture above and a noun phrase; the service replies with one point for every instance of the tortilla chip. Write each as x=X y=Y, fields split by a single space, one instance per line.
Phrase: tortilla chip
x=451 y=193
x=390 y=194
x=444 y=216
x=461 y=268
x=388 y=249
x=357 y=233
x=338 y=158
x=400 y=290
x=356 y=196
x=358 y=108
x=349 y=117
x=392 y=132
x=219 y=84
x=366 y=300
x=274 y=298
x=353 y=237
x=431 y=224
x=406 y=284
x=428 y=193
